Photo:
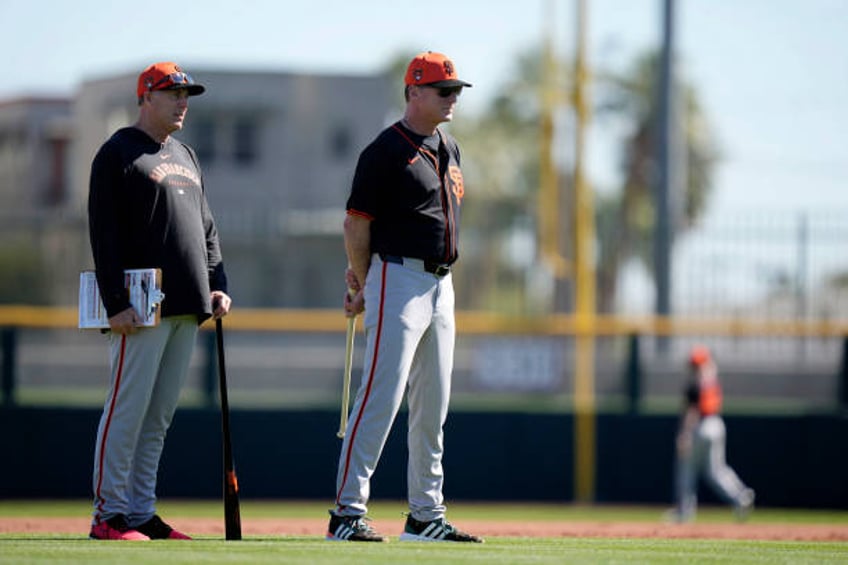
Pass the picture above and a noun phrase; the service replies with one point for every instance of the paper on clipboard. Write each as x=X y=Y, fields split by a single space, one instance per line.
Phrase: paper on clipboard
x=145 y=293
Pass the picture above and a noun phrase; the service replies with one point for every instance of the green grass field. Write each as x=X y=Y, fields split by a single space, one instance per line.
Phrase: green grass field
x=76 y=549
x=24 y=551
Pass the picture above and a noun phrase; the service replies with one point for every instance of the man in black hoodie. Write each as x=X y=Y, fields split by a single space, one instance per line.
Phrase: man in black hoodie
x=147 y=209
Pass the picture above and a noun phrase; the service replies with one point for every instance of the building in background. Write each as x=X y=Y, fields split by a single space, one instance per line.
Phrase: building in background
x=36 y=230
x=278 y=151
x=34 y=138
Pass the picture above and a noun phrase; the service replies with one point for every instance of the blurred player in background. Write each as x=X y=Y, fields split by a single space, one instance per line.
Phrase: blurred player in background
x=701 y=444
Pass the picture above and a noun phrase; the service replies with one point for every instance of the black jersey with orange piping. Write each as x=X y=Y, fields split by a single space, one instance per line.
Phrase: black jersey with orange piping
x=410 y=187
x=706 y=395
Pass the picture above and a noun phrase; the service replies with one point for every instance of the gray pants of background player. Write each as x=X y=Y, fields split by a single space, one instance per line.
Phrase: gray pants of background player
x=707 y=459
x=148 y=372
x=410 y=333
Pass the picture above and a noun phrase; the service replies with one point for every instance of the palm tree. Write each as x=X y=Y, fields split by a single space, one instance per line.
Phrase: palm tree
x=626 y=220
x=501 y=164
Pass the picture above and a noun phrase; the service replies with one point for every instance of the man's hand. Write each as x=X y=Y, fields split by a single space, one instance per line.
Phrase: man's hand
x=352 y=280
x=354 y=304
x=221 y=303
x=354 y=300
x=125 y=322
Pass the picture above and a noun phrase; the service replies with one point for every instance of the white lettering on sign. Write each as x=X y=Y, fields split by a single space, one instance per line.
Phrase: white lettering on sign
x=518 y=364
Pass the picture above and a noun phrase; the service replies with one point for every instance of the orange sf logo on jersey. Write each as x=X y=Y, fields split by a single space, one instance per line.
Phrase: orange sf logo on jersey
x=457 y=185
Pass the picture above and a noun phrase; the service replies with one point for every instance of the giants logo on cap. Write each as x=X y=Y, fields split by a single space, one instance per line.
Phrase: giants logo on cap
x=432 y=68
x=449 y=72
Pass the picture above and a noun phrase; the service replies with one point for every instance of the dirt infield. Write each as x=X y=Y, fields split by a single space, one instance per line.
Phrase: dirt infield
x=315 y=527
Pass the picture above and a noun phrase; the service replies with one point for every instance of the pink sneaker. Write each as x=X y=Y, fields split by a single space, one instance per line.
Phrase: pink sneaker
x=116 y=528
x=156 y=528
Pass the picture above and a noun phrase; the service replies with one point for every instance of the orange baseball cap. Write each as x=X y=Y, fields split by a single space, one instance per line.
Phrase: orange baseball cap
x=432 y=69
x=699 y=355
x=167 y=76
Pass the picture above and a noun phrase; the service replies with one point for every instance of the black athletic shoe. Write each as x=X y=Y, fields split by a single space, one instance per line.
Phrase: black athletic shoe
x=156 y=528
x=351 y=528
x=435 y=530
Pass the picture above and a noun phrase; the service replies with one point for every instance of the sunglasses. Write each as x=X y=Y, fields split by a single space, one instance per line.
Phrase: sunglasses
x=447 y=91
x=173 y=79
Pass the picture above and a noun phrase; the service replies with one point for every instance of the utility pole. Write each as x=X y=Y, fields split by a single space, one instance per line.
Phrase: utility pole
x=666 y=142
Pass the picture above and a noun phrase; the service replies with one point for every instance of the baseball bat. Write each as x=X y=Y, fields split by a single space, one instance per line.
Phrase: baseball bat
x=232 y=515
x=351 y=332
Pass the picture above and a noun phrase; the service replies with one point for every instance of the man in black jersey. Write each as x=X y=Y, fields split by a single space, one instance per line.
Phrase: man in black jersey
x=400 y=235
x=147 y=209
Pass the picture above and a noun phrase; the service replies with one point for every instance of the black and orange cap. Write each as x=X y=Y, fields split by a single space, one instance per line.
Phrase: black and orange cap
x=167 y=76
x=432 y=69
x=699 y=355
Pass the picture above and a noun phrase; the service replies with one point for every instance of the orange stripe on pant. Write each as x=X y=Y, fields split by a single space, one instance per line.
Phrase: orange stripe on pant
x=370 y=383
x=115 y=389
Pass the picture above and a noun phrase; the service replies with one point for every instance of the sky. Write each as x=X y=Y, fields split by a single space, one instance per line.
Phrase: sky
x=772 y=74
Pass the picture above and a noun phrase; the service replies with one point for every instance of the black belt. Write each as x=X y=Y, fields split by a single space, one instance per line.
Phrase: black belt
x=438 y=269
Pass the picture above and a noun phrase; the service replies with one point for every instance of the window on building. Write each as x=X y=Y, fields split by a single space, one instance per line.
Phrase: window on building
x=55 y=193
x=341 y=141
x=244 y=146
x=203 y=140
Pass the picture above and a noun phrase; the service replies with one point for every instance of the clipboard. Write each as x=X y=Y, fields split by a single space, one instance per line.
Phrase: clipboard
x=145 y=293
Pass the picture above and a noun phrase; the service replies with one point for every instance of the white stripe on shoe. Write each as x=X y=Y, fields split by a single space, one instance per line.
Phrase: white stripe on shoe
x=343 y=531
x=434 y=531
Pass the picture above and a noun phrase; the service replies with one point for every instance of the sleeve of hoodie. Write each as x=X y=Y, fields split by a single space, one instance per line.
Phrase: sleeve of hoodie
x=214 y=259
x=104 y=227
